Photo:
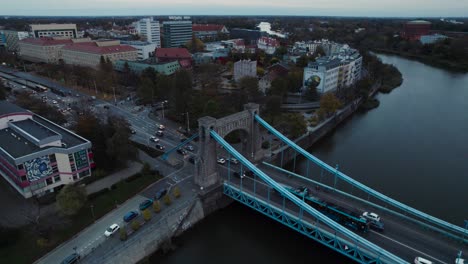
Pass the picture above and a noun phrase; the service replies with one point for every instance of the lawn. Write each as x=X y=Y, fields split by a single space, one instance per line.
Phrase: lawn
x=24 y=249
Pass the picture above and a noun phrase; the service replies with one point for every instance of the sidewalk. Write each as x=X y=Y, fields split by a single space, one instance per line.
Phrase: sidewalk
x=106 y=182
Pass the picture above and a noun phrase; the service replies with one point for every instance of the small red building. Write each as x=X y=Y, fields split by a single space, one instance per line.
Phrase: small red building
x=181 y=55
x=413 y=30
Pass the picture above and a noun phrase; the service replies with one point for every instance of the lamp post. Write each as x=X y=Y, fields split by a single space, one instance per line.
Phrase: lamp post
x=188 y=121
x=92 y=211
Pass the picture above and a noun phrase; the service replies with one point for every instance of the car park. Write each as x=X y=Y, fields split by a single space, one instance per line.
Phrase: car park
x=419 y=260
x=73 y=258
x=130 y=216
x=111 y=230
x=160 y=147
x=160 y=194
x=145 y=204
x=371 y=216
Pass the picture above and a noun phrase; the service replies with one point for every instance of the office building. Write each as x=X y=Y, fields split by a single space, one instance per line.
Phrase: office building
x=209 y=31
x=245 y=68
x=38 y=156
x=176 y=33
x=250 y=36
x=12 y=38
x=149 y=30
x=165 y=68
x=144 y=49
x=46 y=49
x=54 y=30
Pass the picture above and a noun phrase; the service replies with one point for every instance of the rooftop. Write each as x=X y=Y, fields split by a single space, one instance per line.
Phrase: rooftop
x=421 y=22
x=207 y=27
x=7 y=108
x=36 y=130
x=172 y=53
x=46 y=41
x=92 y=47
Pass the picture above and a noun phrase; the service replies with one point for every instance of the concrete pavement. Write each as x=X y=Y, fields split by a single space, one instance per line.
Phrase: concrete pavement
x=133 y=168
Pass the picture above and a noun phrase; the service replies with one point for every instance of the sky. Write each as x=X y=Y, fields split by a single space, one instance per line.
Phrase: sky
x=370 y=8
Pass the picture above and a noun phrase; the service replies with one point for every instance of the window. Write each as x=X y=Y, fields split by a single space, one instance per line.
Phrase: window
x=52 y=158
x=23 y=178
x=49 y=181
x=57 y=178
x=20 y=167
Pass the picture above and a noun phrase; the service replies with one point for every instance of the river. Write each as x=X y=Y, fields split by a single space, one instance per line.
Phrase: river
x=413 y=147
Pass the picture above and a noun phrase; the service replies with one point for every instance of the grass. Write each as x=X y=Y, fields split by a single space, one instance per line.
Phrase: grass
x=25 y=249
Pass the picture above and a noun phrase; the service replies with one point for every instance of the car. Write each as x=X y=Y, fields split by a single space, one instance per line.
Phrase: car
x=54 y=102
x=159 y=133
x=377 y=226
x=189 y=147
x=371 y=216
x=239 y=175
x=106 y=107
x=248 y=173
x=161 y=127
x=130 y=216
x=160 y=194
x=132 y=131
x=111 y=230
x=234 y=160
x=154 y=139
x=160 y=147
x=459 y=261
x=419 y=260
x=191 y=159
x=73 y=258
x=220 y=160
x=181 y=151
x=145 y=204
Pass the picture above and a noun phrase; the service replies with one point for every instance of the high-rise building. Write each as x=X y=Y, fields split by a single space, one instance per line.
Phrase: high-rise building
x=149 y=30
x=54 y=30
x=176 y=33
x=12 y=38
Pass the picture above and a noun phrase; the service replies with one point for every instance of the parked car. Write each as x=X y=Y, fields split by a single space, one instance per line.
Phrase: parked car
x=130 y=216
x=419 y=260
x=132 y=131
x=54 y=102
x=234 y=160
x=111 y=230
x=371 y=216
x=191 y=159
x=248 y=173
x=145 y=204
x=159 y=133
x=154 y=139
x=220 y=160
x=239 y=175
x=161 y=127
x=459 y=261
x=181 y=151
x=73 y=258
x=160 y=147
x=189 y=147
x=160 y=194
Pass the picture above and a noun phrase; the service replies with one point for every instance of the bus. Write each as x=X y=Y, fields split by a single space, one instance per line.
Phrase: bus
x=40 y=88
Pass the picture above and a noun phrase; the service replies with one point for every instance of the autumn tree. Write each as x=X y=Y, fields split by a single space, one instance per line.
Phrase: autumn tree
x=329 y=104
x=71 y=199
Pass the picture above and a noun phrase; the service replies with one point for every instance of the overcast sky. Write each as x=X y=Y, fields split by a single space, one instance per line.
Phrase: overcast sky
x=376 y=8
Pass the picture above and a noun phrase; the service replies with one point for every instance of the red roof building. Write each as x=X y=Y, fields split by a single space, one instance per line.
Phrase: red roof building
x=413 y=30
x=208 y=31
x=267 y=44
x=46 y=49
x=181 y=55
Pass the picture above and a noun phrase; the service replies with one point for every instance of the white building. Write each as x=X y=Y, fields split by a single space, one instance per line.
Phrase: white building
x=268 y=45
x=54 y=30
x=13 y=37
x=244 y=68
x=150 y=30
x=145 y=49
x=431 y=39
x=323 y=74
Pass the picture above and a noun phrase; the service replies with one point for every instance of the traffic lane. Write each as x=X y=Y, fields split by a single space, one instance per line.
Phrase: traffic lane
x=396 y=232
x=90 y=236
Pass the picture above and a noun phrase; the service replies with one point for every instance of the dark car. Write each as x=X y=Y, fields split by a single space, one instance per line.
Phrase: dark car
x=160 y=194
x=377 y=226
x=73 y=258
x=191 y=159
x=145 y=204
x=132 y=131
x=130 y=216
x=238 y=175
x=160 y=147
x=248 y=173
x=181 y=151
x=189 y=147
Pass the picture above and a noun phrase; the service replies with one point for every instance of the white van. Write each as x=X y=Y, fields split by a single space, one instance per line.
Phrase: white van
x=419 y=260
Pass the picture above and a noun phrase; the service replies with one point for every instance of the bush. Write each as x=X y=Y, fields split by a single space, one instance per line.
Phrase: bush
x=135 y=225
x=147 y=215
x=167 y=199
x=156 y=206
x=123 y=234
x=265 y=144
x=176 y=192
x=133 y=177
x=94 y=195
x=42 y=242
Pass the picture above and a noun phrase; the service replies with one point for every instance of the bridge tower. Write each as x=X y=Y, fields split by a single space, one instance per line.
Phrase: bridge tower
x=206 y=174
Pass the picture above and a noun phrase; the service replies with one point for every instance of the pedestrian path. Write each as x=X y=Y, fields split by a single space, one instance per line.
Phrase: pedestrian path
x=106 y=182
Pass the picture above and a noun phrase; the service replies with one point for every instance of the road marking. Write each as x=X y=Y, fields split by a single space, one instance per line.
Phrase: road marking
x=401 y=244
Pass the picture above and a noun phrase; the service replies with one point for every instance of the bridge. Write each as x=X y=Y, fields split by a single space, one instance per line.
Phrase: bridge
x=310 y=204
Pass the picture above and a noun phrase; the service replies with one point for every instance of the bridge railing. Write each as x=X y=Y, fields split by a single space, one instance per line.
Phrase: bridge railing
x=304 y=206
x=393 y=202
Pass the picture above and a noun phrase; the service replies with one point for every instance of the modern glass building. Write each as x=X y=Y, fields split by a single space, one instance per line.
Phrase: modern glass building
x=176 y=33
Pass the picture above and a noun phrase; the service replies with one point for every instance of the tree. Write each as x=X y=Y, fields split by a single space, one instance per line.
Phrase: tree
x=156 y=206
x=71 y=199
x=311 y=92
x=329 y=103
x=195 y=45
x=145 y=90
x=167 y=199
x=123 y=233
x=249 y=87
x=119 y=146
x=279 y=87
x=135 y=225
x=273 y=106
x=292 y=124
x=181 y=91
x=176 y=192
x=147 y=215
x=281 y=51
x=2 y=91
x=302 y=61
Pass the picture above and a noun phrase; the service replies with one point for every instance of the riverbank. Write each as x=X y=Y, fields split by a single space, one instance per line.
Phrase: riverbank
x=443 y=64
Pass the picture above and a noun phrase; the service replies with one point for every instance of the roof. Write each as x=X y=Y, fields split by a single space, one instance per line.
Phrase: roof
x=92 y=47
x=422 y=22
x=207 y=27
x=46 y=41
x=172 y=53
x=268 y=41
x=35 y=129
x=7 y=108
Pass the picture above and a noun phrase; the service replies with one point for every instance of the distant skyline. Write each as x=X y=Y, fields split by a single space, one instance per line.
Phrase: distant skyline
x=367 y=8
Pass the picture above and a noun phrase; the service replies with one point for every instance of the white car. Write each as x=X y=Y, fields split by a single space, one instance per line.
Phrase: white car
x=54 y=102
x=161 y=127
x=419 y=260
x=234 y=160
x=459 y=261
x=154 y=139
x=220 y=160
x=111 y=230
x=371 y=216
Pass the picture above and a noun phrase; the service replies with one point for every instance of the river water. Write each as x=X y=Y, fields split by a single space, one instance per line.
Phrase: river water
x=413 y=147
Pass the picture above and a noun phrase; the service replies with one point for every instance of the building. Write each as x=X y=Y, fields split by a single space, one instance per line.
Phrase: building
x=209 y=31
x=165 y=68
x=176 y=33
x=54 y=30
x=145 y=49
x=250 y=36
x=234 y=44
x=90 y=53
x=38 y=156
x=181 y=55
x=2 y=41
x=271 y=73
x=431 y=39
x=150 y=30
x=323 y=74
x=269 y=45
x=413 y=30
x=12 y=39
x=245 y=68
x=46 y=49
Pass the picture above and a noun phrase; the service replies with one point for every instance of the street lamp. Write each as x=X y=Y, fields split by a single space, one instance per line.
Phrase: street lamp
x=188 y=121
x=92 y=211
